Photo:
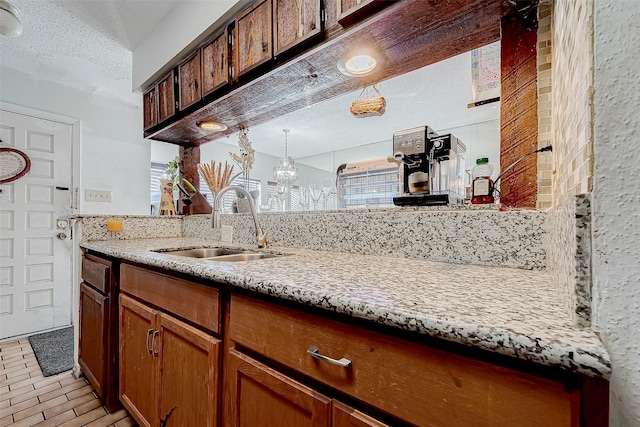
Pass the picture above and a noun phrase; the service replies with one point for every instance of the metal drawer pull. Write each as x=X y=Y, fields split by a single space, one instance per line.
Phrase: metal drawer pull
x=345 y=363
x=149 y=332
x=153 y=342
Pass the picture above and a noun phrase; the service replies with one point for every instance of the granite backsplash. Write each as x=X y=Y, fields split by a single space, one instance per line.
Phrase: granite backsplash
x=569 y=254
x=462 y=236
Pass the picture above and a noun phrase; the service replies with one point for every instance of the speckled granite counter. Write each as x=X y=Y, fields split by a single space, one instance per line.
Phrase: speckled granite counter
x=509 y=311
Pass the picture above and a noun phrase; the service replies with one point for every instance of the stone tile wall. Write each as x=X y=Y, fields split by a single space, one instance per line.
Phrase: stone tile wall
x=572 y=98
x=565 y=36
x=545 y=130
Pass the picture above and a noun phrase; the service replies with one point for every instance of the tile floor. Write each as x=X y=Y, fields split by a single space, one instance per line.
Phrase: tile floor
x=29 y=399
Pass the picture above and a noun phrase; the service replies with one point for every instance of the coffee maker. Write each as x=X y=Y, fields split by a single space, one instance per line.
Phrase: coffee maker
x=431 y=168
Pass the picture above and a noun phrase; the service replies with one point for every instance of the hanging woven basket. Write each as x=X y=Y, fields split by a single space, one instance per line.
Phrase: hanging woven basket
x=369 y=103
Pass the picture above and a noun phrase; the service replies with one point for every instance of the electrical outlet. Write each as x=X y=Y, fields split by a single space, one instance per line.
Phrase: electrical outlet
x=97 y=195
x=226 y=233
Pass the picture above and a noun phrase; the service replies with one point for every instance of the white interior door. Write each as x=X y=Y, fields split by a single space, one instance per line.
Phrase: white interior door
x=35 y=250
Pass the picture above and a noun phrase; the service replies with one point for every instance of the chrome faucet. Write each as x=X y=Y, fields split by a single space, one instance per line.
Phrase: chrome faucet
x=261 y=236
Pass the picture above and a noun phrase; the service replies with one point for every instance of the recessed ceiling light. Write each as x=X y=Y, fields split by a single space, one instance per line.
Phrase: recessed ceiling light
x=212 y=126
x=10 y=24
x=359 y=62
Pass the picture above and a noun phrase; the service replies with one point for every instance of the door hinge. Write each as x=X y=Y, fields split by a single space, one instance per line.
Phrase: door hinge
x=75 y=199
x=175 y=79
x=177 y=105
x=231 y=39
x=230 y=72
x=323 y=16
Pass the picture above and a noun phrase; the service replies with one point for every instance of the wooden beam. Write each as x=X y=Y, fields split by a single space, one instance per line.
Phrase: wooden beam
x=518 y=112
x=189 y=159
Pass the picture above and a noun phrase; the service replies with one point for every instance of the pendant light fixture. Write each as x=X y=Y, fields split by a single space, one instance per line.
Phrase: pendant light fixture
x=285 y=173
x=10 y=24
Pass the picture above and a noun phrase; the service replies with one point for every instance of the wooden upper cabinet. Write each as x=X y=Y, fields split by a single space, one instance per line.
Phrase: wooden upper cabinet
x=215 y=63
x=253 y=44
x=150 y=107
x=166 y=98
x=351 y=10
x=190 y=81
x=295 y=21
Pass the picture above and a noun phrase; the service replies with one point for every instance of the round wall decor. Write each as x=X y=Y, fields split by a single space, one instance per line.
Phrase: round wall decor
x=13 y=164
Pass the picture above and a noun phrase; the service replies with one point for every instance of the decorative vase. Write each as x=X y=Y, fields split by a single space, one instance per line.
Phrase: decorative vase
x=167 y=206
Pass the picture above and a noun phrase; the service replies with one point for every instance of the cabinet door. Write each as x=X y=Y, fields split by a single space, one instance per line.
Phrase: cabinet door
x=189 y=361
x=258 y=396
x=150 y=107
x=294 y=21
x=166 y=98
x=346 y=416
x=138 y=365
x=215 y=64
x=190 y=81
x=350 y=11
x=92 y=350
x=253 y=37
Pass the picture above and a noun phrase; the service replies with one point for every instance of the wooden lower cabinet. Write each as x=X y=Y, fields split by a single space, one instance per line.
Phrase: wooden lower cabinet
x=278 y=358
x=168 y=369
x=258 y=396
x=98 y=328
x=94 y=318
x=346 y=416
x=418 y=384
x=138 y=365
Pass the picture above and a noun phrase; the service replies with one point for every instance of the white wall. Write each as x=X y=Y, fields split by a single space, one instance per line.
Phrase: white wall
x=616 y=205
x=113 y=154
x=162 y=152
x=178 y=33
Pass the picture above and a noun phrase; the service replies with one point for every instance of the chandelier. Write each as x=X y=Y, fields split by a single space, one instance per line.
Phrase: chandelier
x=285 y=173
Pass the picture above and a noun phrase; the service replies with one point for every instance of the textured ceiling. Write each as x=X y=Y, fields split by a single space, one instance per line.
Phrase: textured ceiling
x=83 y=44
x=86 y=45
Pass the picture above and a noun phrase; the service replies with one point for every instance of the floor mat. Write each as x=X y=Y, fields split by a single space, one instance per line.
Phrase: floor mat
x=54 y=350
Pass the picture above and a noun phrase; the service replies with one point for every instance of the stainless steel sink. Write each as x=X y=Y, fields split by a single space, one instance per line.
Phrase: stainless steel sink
x=246 y=256
x=201 y=252
x=219 y=254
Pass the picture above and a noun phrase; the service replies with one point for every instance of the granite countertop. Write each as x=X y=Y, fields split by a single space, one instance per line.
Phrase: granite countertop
x=505 y=310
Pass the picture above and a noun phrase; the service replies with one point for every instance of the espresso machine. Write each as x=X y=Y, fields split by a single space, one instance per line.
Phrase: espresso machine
x=431 y=168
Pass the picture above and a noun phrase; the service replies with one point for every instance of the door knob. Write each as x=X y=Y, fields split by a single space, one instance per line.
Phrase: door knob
x=61 y=236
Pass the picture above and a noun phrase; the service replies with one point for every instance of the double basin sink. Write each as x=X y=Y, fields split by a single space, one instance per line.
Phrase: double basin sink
x=219 y=254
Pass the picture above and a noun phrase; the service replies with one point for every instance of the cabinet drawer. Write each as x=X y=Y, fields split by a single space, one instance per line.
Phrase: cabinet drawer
x=96 y=272
x=191 y=301
x=422 y=385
